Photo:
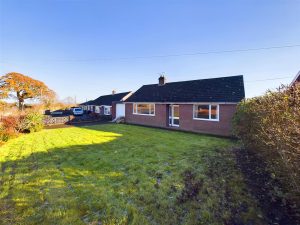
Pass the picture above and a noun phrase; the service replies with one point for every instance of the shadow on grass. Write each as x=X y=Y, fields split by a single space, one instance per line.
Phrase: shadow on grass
x=129 y=175
x=268 y=190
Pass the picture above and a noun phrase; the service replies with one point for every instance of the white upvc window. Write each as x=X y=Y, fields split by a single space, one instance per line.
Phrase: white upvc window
x=107 y=110
x=206 y=112
x=147 y=109
x=97 y=109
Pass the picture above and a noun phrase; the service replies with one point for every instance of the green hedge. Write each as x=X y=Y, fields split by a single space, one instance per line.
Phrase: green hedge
x=269 y=126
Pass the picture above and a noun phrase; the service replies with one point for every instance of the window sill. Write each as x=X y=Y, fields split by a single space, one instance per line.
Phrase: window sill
x=213 y=120
x=138 y=114
x=176 y=126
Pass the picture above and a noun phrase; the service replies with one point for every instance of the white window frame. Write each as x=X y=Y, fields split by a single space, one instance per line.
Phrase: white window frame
x=106 y=107
x=209 y=119
x=135 y=112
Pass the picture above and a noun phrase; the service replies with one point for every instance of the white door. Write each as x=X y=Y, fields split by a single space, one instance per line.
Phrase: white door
x=174 y=115
x=120 y=110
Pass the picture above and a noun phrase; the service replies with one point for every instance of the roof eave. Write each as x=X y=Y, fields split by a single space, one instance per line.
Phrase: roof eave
x=295 y=79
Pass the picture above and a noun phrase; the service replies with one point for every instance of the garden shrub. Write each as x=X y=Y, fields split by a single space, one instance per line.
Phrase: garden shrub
x=31 y=122
x=5 y=134
x=269 y=126
x=11 y=126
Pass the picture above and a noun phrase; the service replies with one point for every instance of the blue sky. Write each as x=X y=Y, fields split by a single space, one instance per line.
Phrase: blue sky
x=87 y=48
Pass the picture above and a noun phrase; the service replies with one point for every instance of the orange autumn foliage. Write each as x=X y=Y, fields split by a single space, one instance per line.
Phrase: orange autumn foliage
x=23 y=87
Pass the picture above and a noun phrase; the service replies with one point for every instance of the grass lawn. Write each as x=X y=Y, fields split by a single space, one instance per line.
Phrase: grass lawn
x=122 y=174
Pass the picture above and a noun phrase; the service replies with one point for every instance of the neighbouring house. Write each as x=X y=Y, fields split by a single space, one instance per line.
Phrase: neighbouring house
x=87 y=106
x=105 y=104
x=296 y=80
x=203 y=106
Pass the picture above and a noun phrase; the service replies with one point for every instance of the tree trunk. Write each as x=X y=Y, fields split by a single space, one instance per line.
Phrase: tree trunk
x=20 y=101
x=21 y=104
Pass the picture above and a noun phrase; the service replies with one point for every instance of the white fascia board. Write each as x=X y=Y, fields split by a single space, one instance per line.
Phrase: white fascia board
x=185 y=103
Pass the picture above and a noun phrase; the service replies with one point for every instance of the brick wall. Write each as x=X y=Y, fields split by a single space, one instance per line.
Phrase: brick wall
x=159 y=120
x=221 y=127
x=113 y=110
x=187 y=123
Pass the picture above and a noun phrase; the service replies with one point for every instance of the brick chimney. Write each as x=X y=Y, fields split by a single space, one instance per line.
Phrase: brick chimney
x=113 y=92
x=162 y=80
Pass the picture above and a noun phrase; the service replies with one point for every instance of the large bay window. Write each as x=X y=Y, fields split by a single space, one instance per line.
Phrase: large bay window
x=144 y=109
x=206 y=112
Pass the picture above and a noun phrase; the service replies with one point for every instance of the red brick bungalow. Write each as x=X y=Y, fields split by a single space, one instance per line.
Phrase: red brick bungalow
x=203 y=106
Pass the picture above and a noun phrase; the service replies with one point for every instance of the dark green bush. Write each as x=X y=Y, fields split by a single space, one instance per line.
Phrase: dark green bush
x=269 y=126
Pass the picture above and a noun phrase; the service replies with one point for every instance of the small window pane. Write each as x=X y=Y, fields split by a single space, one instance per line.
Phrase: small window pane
x=176 y=121
x=176 y=111
x=214 y=112
x=151 y=108
x=202 y=111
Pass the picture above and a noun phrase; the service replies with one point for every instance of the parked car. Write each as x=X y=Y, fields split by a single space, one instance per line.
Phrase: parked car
x=77 y=111
x=57 y=113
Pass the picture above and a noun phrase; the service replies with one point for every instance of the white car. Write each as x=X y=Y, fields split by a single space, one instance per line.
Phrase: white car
x=77 y=111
